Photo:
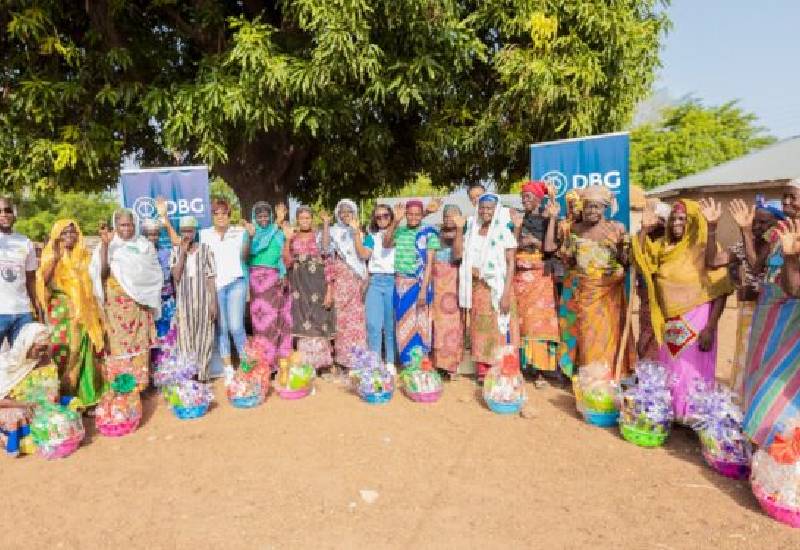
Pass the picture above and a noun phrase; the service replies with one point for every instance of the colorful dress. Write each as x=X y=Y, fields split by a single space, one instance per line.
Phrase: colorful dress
x=270 y=295
x=194 y=299
x=536 y=306
x=749 y=282
x=75 y=317
x=600 y=304
x=309 y=273
x=413 y=324
x=772 y=375
x=448 y=323
x=166 y=330
x=681 y=292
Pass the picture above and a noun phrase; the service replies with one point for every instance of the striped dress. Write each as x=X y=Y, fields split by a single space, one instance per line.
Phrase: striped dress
x=772 y=375
x=195 y=327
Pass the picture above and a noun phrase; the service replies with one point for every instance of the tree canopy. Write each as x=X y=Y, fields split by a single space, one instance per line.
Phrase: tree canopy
x=341 y=97
x=691 y=137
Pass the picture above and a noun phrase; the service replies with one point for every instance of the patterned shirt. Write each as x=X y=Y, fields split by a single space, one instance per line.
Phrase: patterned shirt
x=406 y=241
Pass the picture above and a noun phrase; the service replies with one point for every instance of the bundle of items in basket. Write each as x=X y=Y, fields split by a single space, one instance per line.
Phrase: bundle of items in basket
x=174 y=369
x=504 y=385
x=295 y=378
x=717 y=420
x=776 y=477
x=188 y=399
x=646 y=416
x=41 y=385
x=120 y=410
x=597 y=394
x=373 y=382
x=420 y=380
x=248 y=385
x=56 y=430
x=122 y=364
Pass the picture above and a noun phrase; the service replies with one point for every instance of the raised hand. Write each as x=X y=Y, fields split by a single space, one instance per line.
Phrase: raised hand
x=649 y=218
x=106 y=234
x=789 y=232
x=325 y=217
x=186 y=244
x=280 y=213
x=741 y=214
x=433 y=206
x=459 y=220
x=251 y=230
x=355 y=226
x=517 y=217
x=161 y=207
x=399 y=211
x=711 y=210
x=553 y=209
x=57 y=251
x=288 y=230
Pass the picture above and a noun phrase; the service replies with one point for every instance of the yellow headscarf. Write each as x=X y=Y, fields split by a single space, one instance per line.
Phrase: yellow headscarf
x=676 y=277
x=71 y=276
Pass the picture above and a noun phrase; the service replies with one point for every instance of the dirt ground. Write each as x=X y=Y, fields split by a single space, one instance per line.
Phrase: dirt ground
x=333 y=472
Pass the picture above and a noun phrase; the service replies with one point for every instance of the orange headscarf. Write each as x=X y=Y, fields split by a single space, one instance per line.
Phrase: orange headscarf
x=71 y=276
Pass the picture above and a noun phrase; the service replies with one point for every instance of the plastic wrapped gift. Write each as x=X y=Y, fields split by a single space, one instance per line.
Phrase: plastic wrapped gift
x=421 y=382
x=372 y=381
x=40 y=385
x=597 y=394
x=717 y=419
x=776 y=478
x=176 y=368
x=295 y=377
x=57 y=431
x=123 y=364
x=120 y=410
x=188 y=398
x=248 y=385
x=504 y=385
x=646 y=415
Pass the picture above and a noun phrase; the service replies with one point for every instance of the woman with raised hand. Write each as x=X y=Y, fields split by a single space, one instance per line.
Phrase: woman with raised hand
x=193 y=270
x=64 y=292
x=310 y=275
x=687 y=297
x=486 y=283
x=127 y=281
x=270 y=295
x=344 y=242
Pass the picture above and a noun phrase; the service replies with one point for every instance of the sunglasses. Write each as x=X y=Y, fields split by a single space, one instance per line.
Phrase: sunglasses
x=6 y=210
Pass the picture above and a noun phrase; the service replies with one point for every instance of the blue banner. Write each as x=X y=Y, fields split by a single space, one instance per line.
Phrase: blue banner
x=184 y=188
x=577 y=163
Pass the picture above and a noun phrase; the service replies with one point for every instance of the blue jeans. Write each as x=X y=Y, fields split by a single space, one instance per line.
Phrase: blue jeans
x=231 y=301
x=380 y=314
x=11 y=324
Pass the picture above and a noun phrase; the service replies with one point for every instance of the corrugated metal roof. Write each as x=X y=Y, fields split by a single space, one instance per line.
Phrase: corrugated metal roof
x=778 y=163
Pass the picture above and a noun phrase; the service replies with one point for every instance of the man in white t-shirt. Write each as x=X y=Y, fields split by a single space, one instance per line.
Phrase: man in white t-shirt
x=17 y=275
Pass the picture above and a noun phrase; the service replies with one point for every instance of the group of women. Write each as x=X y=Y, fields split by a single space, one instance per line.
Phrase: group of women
x=552 y=288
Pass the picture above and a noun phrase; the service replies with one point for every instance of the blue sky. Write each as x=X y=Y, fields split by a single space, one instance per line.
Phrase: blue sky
x=749 y=50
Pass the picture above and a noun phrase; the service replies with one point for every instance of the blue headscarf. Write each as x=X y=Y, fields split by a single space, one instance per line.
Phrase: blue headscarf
x=773 y=207
x=266 y=233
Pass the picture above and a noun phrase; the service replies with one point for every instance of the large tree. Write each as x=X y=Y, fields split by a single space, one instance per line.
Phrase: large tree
x=690 y=137
x=303 y=96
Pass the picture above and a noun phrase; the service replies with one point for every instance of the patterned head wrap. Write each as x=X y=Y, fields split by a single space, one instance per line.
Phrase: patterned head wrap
x=188 y=221
x=538 y=188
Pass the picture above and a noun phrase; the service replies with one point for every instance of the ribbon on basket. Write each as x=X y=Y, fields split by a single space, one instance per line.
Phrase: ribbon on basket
x=786 y=450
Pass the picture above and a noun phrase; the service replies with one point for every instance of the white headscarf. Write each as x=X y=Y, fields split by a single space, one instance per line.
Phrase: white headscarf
x=134 y=264
x=491 y=261
x=342 y=240
x=15 y=363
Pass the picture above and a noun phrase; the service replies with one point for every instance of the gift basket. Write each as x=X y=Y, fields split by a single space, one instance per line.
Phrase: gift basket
x=776 y=478
x=597 y=394
x=40 y=385
x=295 y=378
x=56 y=430
x=123 y=364
x=372 y=381
x=189 y=398
x=646 y=415
x=504 y=385
x=420 y=380
x=717 y=420
x=175 y=368
x=120 y=410
x=247 y=386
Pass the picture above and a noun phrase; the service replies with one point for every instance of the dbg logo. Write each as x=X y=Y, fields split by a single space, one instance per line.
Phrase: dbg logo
x=559 y=181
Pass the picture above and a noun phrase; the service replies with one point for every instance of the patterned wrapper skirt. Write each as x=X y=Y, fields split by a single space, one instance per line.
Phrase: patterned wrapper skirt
x=312 y=324
x=744 y=321
x=351 y=323
x=536 y=306
x=412 y=321
x=485 y=336
x=130 y=330
x=448 y=323
x=271 y=313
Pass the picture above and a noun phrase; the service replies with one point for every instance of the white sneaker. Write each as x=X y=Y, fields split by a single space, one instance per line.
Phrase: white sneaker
x=391 y=368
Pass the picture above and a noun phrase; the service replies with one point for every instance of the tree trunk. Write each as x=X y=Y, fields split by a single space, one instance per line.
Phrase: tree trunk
x=266 y=168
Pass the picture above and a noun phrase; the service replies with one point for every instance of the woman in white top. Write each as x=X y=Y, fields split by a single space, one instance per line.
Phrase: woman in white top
x=230 y=247
x=378 y=302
